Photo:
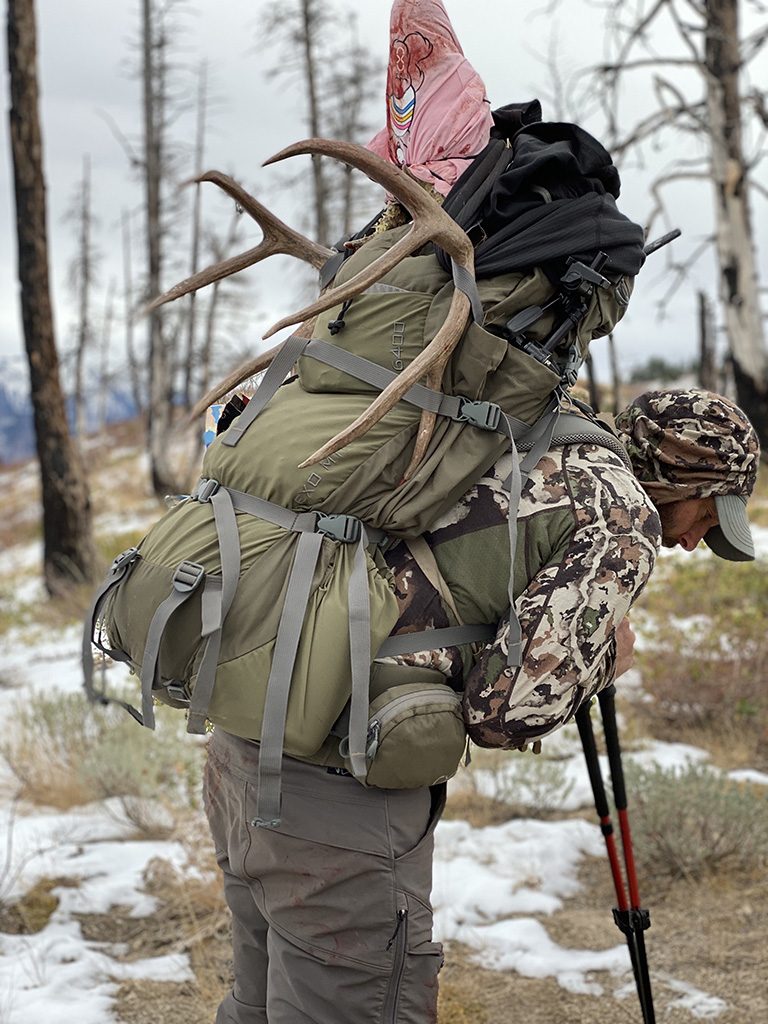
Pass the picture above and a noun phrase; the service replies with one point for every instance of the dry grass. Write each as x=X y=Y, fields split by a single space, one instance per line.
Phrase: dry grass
x=31 y=912
x=704 y=659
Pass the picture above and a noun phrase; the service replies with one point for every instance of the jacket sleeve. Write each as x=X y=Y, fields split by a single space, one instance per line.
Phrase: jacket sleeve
x=568 y=612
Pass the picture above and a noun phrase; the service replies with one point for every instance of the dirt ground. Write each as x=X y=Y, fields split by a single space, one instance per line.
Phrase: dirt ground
x=712 y=936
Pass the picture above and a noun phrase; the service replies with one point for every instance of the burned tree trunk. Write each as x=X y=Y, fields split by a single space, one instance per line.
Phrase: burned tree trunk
x=68 y=553
x=734 y=235
x=707 y=362
x=159 y=412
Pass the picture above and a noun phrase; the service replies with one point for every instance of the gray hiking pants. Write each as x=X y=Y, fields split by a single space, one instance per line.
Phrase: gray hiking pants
x=331 y=920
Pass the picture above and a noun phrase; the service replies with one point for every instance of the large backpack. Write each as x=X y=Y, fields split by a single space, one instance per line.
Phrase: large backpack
x=262 y=601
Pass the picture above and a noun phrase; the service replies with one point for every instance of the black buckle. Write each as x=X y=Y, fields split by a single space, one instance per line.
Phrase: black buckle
x=188 y=576
x=344 y=528
x=206 y=490
x=484 y=415
x=124 y=559
x=178 y=691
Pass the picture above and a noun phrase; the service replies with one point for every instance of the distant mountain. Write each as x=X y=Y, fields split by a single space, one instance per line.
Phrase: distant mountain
x=17 y=433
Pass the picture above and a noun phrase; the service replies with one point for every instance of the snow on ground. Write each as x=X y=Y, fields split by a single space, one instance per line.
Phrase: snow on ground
x=488 y=883
x=55 y=974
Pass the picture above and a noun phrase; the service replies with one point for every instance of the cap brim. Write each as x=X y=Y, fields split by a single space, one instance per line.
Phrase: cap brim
x=732 y=539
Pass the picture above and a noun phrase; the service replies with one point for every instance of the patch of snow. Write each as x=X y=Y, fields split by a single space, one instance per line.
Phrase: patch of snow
x=749 y=775
x=699 y=1004
x=523 y=866
x=523 y=945
x=57 y=967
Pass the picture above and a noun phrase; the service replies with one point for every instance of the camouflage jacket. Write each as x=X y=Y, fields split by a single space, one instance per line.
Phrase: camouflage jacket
x=587 y=542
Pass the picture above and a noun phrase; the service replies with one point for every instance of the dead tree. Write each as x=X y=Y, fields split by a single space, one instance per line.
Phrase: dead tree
x=707 y=360
x=156 y=116
x=129 y=307
x=199 y=155
x=338 y=75
x=82 y=277
x=662 y=39
x=68 y=552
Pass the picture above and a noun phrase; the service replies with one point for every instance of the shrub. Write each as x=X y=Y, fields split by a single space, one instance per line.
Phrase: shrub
x=706 y=652
x=692 y=822
x=65 y=751
x=530 y=785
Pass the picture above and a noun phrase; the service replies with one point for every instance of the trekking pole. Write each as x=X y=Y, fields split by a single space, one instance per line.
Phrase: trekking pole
x=630 y=918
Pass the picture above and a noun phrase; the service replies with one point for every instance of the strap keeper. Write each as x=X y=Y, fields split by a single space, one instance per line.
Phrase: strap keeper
x=206 y=490
x=188 y=577
x=484 y=415
x=347 y=529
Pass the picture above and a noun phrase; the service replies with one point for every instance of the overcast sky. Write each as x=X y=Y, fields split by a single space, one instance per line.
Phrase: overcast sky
x=85 y=55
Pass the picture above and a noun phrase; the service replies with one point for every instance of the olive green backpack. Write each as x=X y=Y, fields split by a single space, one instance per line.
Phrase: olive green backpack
x=262 y=602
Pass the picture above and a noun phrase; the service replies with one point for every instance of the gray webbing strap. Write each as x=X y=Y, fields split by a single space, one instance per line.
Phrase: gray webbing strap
x=426 y=561
x=186 y=580
x=434 y=639
x=117 y=572
x=278 y=515
x=380 y=377
x=279 y=682
x=210 y=606
x=541 y=436
x=360 y=660
x=465 y=282
x=278 y=370
x=229 y=549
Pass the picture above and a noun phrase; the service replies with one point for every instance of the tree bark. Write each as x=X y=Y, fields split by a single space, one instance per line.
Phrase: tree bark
x=68 y=552
x=739 y=291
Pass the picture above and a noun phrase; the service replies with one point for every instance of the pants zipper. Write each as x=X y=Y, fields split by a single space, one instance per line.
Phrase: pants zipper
x=400 y=941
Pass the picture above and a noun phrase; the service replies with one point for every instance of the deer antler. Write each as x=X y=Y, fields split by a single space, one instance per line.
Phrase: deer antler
x=278 y=238
x=430 y=223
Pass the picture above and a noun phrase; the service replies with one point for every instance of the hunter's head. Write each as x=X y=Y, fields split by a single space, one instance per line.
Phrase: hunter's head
x=695 y=453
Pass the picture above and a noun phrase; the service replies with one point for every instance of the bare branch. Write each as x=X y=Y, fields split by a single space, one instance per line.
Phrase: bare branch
x=680 y=273
x=133 y=159
x=645 y=62
x=659 y=205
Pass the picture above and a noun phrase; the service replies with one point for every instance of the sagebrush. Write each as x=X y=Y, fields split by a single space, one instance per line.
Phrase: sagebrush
x=693 y=822
x=66 y=752
x=706 y=658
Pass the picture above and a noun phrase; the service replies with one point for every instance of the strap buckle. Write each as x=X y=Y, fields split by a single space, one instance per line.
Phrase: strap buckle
x=484 y=415
x=123 y=560
x=188 y=576
x=344 y=528
x=206 y=490
x=178 y=691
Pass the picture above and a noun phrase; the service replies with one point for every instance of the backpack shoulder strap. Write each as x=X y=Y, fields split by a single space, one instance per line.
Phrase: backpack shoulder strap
x=574 y=429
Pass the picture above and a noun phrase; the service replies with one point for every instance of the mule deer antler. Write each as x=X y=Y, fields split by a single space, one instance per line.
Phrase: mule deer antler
x=278 y=238
x=430 y=223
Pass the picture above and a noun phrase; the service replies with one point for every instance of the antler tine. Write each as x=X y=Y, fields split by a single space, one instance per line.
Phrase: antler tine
x=278 y=238
x=430 y=222
x=243 y=372
x=431 y=361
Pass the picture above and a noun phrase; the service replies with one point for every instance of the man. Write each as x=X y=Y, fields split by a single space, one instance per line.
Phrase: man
x=331 y=915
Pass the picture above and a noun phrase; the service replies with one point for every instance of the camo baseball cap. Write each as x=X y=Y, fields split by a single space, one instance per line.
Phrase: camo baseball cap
x=696 y=444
